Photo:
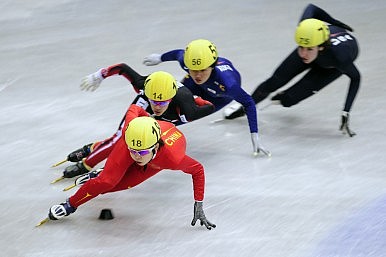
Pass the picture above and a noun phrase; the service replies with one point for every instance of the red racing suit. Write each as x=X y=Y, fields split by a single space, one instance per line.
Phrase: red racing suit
x=183 y=108
x=121 y=172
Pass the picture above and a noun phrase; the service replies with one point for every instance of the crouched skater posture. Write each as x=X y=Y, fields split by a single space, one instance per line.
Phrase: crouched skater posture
x=326 y=52
x=213 y=78
x=148 y=146
x=159 y=94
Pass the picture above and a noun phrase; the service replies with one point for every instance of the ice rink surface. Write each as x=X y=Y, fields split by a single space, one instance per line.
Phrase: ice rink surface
x=321 y=194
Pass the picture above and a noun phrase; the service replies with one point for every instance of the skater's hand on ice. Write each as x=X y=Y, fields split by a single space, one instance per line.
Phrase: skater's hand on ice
x=257 y=146
x=92 y=81
x=198 y=214
x=344 y=124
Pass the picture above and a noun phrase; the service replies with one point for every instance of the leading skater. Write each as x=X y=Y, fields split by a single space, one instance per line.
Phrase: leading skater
x=147 y=148
x=326 y=52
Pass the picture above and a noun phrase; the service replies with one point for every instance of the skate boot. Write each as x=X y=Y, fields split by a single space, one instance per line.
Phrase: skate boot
x=75 y=170
x=80 y=153
x=234 y=111
x=59 y=211
x=277 y=99
x=86 y=177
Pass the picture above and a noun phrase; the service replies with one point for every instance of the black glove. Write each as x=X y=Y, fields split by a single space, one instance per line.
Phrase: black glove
x=344 y=125
x=198 y=214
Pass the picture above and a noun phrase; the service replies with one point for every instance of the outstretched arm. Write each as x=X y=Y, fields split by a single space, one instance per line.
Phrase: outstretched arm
x=352 y=72
x=174 y=55
x=193 y=167
x=92 y=81
x=123 y=69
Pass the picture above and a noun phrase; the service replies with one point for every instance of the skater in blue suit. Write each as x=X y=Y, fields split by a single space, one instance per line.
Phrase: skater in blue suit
x=213 y=78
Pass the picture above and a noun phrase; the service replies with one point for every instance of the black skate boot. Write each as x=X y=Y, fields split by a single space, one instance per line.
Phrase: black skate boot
x=80 y=153
x=236 y=113
x=75 y=170
x=278 y=98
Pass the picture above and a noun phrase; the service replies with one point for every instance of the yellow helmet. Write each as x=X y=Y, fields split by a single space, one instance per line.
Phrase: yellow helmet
x=160 y=86
x=200 y=54
x=311 y=32
x=142 y=133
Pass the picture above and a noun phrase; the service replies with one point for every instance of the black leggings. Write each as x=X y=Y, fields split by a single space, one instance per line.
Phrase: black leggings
x=314 y=80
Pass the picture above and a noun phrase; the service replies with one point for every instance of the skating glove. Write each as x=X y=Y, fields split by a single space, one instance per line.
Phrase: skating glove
x=152 y=60
x=59 y=211
x=344 y=124
x=201 y=102
x=86 y=177
x=257 y=147
x=198 y=214
x=92 y=81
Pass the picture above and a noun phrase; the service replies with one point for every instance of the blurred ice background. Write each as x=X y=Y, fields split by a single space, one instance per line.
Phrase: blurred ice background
x=321 y=194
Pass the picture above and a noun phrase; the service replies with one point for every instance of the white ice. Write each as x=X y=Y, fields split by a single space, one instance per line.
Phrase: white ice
x=321 y=194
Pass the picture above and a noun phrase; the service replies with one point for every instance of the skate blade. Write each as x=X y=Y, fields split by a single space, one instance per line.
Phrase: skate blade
x=218 y=121
x=265 y=106
x=265 y=152
x=56 y=180
x=42 y=222
x=57 y=164
x=69 y=187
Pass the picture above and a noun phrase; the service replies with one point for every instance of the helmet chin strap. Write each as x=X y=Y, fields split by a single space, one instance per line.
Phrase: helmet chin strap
x=154 y=154
x=154 y=151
